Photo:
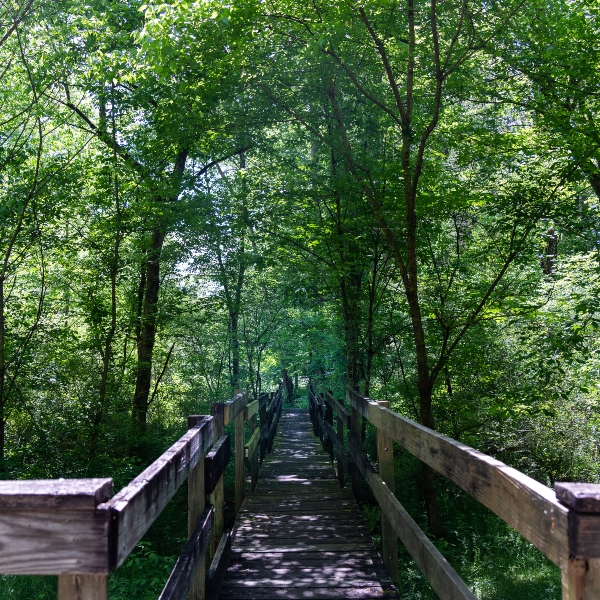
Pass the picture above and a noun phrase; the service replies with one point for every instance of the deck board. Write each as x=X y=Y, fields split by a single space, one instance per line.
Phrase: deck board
x=300 y=535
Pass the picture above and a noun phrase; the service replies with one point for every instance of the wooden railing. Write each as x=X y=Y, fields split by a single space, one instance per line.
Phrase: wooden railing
x=563 y=523
x=76 y=528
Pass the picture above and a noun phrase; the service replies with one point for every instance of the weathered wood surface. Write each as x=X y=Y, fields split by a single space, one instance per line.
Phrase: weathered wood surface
x=182 y=576
x=528 y=506
x=251 y=410
x=59 y=494
x=138 y=504
x=582 y=497
x=215 y=462
x=240 y=462
x=252 y=443
x=234 y=407
x=300 y=535
x=54 y=527
x=389 y=538
x=82 y=587
x=217 y=496
x=338 y=409
x=441 y=576
x=218 y=567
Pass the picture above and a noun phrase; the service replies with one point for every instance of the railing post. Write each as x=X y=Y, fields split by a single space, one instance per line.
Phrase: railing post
x=82 y=587
x=321 y=412
x=240 y=460
x=581 y=578
x=262 y=413
x=196 y=505
x=389 y=539
x=355 y=431
x=217 y=498
x=340 y=433
x=329 y=418
x=254 y=458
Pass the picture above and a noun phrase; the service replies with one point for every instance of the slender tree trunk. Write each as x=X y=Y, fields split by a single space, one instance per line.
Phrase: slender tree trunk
x=147 y=326
x=594 y=179
x=147 y=331
x=107 y=353
x=235 y=350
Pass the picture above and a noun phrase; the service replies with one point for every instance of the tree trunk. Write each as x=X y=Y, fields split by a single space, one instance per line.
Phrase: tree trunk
x=147 y=325
x=147 y=332
x=235 y=350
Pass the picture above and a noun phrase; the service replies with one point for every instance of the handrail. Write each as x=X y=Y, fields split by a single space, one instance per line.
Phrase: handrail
x=563 y=524
x=78 y=530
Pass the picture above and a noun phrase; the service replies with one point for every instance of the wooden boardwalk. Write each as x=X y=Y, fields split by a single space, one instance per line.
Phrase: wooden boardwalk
x=300 y=535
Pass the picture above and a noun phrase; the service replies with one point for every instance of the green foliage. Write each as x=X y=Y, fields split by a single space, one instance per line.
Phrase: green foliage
x=303 y=190
x=143 y=575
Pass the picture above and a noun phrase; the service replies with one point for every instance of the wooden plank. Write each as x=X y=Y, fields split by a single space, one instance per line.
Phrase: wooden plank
x=582 y=497
x=251 y=410
x=217 y=496
x=54 y=494
x=68 y=533
x=138 y=504
x=182 y=575
x=302 y=580
x=253 y=457
x=250 y=448
x=525 y=504
x=370 y=592
x=218 y=567
x=196 y=506
x=581 y=580
x=338 y=445
x=234 y=407
x=338 y=408
x=82 y=587
x=584 y=533
x=216 y=461
x=441 y=576
x=389 y=540
x=240 y=462
x=354 y=430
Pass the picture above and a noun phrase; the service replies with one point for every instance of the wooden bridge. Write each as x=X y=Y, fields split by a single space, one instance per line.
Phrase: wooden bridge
x=298 y=533
x=301 y=535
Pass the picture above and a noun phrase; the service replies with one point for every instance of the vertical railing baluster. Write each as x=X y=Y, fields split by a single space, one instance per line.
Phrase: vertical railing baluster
x=389 y=538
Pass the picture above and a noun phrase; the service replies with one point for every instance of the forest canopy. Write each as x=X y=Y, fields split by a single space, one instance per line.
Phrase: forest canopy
x=402 y=197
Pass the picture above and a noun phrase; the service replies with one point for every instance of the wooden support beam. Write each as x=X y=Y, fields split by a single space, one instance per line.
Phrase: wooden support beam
x=251 y=410
x=216 y=461
x=252 y=448
x=234 y=407
x=338 y=445
x=138 y=504
x=191 y=561
x=338 y=408
x=354 y=431
x=252 y=444
x=581 y=577
x=218 y=567
x=217 y=496
x=525 y=504
x=240 y=461
x=441 y=576
x=52 y=527
x=82 y=587
x=196 y=504
x=389 y=538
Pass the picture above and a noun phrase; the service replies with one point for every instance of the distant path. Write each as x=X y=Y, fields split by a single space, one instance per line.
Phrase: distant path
x=300 y=535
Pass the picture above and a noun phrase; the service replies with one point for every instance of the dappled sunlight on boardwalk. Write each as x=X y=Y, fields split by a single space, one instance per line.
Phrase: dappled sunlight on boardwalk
x=300 y=535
